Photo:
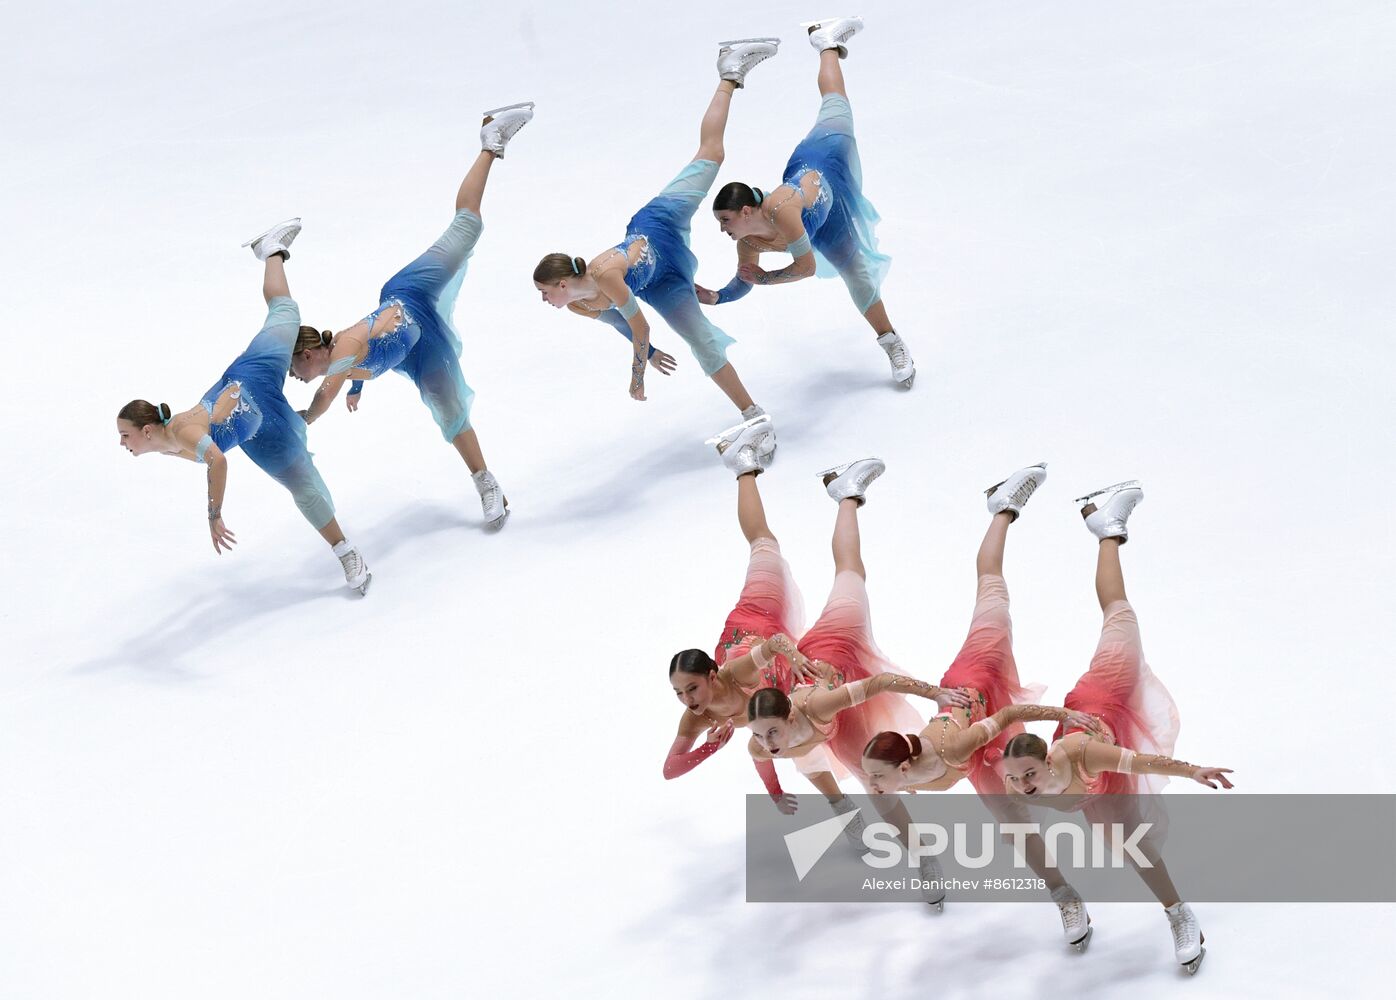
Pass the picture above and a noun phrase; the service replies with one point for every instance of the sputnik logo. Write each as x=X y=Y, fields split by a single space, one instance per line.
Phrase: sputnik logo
x=807 y=846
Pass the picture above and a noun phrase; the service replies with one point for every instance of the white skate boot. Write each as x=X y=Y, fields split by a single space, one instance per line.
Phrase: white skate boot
x=932 y=882
x=1076 y=922
x=1187 y=936
x=277 y=239
x=851 y=480
x=740 y=445
x=1110 y=516
x=1013 y=493
x=501 y=124
x=832 y=33
x=356 y=573
x=767 y=447
x=736 y=58
x=903 y=368
x=854 y=830
x=493 y=502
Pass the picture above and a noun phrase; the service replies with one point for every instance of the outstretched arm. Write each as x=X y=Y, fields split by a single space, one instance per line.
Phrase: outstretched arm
x=217 y=464
x=748 y=256
x=823 y=704
x=961 y=745
x=1100 y=756
x=682 y=759
x=747 y=669
x=797 y=241
x=612 y=284
x=659 y=359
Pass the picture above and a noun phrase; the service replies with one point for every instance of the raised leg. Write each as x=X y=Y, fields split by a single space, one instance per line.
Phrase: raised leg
x=751 y=513
x=472 y=189
x=714 y=124
x=848 y=547
x=274 y=282
x=728 y=381
x=830 y=74
x=1109 y=576
x=989 y=560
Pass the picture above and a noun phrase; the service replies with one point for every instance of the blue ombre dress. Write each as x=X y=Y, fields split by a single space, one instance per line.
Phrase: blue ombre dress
x=663 y=277
x=425 y=346
x=841 y=222
x=262 y=422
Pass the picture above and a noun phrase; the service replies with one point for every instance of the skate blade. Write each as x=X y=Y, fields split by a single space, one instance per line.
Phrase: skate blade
x=839 y=470
x=906 y=382
x=830 y=20
x=1126 y=485
x=938 y=907
x=1193 y=965
x=743 y=41
x=289 y=222
x=1080 y=946
x=362 y=589
x=498 y=523
x=526 y=105
x=735 y=431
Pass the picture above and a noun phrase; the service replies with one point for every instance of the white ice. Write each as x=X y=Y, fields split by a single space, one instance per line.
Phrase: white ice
x=1130 y=239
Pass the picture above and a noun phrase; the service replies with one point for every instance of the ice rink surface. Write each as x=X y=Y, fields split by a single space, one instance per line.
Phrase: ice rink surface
x=1132 y=240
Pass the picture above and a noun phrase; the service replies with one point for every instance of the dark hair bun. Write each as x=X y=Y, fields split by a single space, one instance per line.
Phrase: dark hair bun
x=914 y=741
x=165 y=413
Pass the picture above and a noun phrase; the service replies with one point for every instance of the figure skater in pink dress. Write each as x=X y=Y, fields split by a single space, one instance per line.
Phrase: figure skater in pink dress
x=1102 y=769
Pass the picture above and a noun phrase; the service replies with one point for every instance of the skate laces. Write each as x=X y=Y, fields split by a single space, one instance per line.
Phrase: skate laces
x=897 y=353
x=489 y=492
x=1025 y=490
x=1183 y=927
x=353 y=564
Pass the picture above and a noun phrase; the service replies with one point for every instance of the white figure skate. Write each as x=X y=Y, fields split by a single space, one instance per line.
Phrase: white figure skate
x=832 y=33
x=501 y=124
x=277 y=239
x=356 y=573
x=854 y=830
x=736 y=58
x=903 y=367
x=740 y=445
x=1110 y=519
x=1012 y=494
x=493 y=503
x=851 y=480
x=932 y=882
x=1076 y=922
x=1187 y=936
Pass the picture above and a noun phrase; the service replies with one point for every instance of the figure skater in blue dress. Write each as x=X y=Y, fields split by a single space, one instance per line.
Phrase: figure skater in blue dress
x=411 y=330
x=654 y=264
x=246 y=408
x=818 y=214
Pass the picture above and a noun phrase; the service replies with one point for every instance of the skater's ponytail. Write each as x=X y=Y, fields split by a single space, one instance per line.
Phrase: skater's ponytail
x=557 y=266
x=692 y=661
x=768 y=703
x=1026 y=745
x=736 y=196
x=893 y=748
x=310 y=338
x=143 y=414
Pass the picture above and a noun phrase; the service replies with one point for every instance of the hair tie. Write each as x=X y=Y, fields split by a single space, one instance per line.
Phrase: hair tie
x=759 y=196
x=164 y=420
x=909 y=748
x=573 y=262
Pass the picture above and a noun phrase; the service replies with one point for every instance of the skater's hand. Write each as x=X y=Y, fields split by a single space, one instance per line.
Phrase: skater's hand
x=222 y=537
x=352 y=401
x=953 y=698
x=786 y=803
x=1206 y=775
x=752 y=274
x=720 y=733
x=1083 y=721
x=664 y=362
x=705 y=295
x=304 y=415
x=802 y=669
x=637 y=389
